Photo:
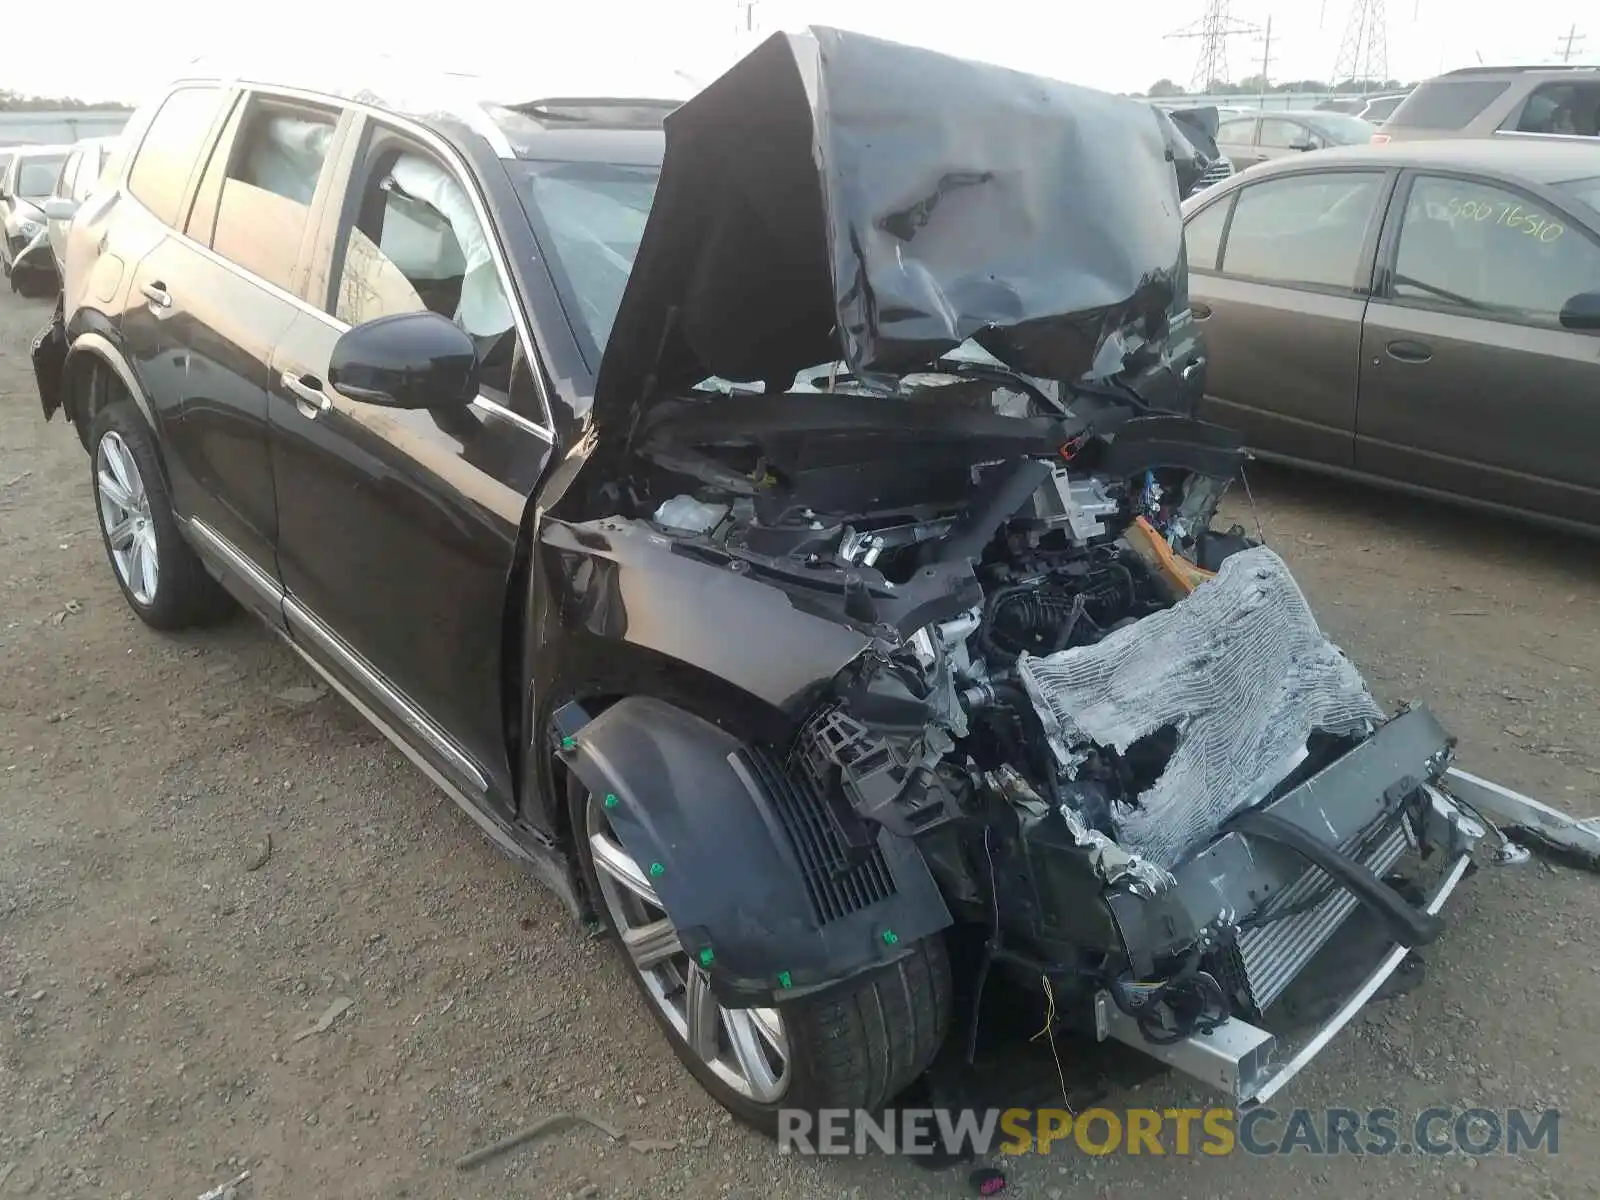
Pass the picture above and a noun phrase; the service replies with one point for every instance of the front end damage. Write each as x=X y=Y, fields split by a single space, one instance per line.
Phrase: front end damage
x=896 y=384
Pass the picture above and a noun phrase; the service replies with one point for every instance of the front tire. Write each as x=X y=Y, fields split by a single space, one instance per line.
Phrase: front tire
x=160 y=575
x=856 y=1047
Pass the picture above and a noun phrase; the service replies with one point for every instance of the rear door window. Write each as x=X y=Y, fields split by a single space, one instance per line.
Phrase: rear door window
x=1446 y=103
x=1306 y=230
x=263 y=186
x=172 y=145
x=1485 y=249
x=1572 y=109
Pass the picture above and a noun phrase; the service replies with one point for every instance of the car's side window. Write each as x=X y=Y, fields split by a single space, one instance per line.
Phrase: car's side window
x=417 y=245
x=1238 y=132
x=89 y=170
x=1280 y=134
x=69 y=174
x=170 y=148
x=1480 y=248
x=1203 y=234
x=1565 y=108
x=262 y=186
x=1303 y=229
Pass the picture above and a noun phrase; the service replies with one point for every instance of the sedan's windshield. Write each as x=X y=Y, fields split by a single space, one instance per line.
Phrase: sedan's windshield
x=1585 y=191
x=589 y=218
x=36 y=176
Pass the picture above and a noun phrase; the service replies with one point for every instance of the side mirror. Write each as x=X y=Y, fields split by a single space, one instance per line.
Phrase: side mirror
x=59 y=208
x=409 y=360
x=1303 y=146
x=1582 y=313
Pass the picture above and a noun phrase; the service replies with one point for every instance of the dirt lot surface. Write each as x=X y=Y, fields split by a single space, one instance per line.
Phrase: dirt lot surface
x=156 y=962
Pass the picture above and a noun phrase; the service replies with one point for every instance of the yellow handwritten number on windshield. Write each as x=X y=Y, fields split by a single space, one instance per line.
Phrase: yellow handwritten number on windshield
x=1508 y=215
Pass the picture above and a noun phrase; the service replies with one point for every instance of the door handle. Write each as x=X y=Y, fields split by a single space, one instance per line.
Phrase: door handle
x=1200 y=310
x=1194 y=368
x=157 y=295
x=1412 y=352
x=308 y=395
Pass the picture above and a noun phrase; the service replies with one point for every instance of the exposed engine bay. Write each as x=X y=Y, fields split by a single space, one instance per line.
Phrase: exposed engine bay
x=1073 y=681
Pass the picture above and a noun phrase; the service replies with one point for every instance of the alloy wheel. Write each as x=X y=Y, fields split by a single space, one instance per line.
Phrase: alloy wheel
x=125 y=517
x=746 y=1048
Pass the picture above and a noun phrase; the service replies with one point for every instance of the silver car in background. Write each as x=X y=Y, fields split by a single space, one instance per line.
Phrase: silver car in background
x=79 y=177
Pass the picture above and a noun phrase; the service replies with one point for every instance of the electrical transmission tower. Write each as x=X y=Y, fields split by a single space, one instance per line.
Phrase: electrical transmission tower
x=1213 y=31
x=1364 y=53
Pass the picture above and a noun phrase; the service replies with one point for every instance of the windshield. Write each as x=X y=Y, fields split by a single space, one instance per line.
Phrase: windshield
x=1341 y=129
x=36 y=176
x=588 y=217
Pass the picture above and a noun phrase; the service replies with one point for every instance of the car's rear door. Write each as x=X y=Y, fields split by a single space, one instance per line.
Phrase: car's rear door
x=1279 y=275
x=397 y=529
x=1469 y=383
x=209 y=306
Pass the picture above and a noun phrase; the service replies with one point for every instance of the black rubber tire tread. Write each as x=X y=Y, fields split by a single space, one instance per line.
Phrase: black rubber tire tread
x=865 y=1045
x=854 y=1047
x=186 y=594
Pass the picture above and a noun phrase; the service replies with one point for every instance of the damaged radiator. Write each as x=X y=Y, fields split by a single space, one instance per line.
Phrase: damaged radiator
x=1271 y=955
x=1239 y=670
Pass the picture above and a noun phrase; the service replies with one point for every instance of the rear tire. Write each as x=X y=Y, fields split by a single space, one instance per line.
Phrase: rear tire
x=160 y=575
x=856 y=1047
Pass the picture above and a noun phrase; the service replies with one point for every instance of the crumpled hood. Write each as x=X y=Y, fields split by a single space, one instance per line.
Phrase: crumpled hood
x=834 y=196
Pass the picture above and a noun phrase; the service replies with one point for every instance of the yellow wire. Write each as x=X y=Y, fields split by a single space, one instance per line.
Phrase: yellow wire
x=1050 y=1032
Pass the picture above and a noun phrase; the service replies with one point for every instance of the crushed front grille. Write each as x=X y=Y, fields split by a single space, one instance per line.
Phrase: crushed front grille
x=1239 y=670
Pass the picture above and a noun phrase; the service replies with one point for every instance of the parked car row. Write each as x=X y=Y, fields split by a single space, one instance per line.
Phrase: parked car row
x=40 y=189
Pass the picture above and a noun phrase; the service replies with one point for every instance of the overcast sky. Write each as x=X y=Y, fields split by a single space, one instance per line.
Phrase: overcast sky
x=123 y=49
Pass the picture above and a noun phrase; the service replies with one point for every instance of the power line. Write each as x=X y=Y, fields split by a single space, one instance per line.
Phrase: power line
x=1573 y=37
x=1364 y=52
x=1213 y=30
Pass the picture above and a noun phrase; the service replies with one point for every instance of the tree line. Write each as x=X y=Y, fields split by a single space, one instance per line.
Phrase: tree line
x=11 y=101
x=1255 y=85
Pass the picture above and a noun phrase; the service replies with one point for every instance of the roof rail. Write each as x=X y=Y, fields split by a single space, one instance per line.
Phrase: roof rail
x=1521 y=68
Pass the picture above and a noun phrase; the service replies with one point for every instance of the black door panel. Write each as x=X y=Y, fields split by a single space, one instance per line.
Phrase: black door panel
x=397 y=530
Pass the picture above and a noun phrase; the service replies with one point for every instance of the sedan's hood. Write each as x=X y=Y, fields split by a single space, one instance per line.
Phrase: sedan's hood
x=834 y=197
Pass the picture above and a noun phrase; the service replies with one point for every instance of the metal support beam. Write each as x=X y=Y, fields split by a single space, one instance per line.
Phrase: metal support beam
x=1518 y=812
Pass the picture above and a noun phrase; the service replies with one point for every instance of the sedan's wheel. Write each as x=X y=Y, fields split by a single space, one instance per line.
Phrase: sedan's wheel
x=856 y=1047
x=159 y=574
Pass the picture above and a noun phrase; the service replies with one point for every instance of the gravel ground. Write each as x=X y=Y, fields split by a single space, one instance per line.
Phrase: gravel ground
x=154 y=970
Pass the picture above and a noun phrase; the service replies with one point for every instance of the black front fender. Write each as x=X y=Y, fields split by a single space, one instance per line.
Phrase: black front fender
x=749 y=863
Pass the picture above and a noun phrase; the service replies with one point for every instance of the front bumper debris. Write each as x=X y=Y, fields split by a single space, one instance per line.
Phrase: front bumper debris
x=1238 y=1058
x=1334 y=836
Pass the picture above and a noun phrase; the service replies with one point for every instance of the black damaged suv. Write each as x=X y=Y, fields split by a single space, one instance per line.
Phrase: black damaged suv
x=688 y=495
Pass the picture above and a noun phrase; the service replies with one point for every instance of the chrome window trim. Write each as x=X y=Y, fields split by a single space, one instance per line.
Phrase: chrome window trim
x=454 y=163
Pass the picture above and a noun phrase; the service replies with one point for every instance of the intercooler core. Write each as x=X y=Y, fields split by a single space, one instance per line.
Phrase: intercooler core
x=1239 y=669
